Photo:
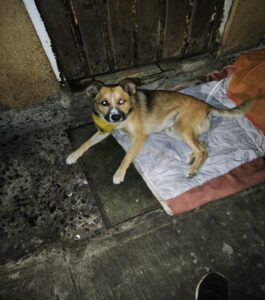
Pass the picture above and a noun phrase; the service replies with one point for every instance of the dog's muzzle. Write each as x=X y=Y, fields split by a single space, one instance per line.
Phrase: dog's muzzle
x=115 y=116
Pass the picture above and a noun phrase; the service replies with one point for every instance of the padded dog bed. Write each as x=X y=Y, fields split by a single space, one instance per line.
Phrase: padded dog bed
x=235 y=157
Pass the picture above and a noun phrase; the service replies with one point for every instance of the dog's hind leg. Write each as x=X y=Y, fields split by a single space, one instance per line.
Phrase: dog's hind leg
x=191 y=157
x=199 y=154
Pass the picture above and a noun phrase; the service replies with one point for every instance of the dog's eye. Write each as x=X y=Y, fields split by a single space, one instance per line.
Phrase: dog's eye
x=121 y=101
x=105 y=103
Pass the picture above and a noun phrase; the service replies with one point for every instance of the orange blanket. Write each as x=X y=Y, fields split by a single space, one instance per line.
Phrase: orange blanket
x=249 y=82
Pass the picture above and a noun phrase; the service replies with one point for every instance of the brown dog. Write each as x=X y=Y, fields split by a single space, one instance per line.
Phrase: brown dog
x=143 y=112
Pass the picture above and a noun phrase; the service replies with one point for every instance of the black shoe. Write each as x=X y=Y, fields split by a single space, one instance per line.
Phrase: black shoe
x=213 y=286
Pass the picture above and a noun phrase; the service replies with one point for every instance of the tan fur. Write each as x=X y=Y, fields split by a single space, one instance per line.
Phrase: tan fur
x=179 y=115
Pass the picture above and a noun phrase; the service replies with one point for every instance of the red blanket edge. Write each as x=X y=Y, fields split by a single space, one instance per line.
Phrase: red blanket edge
x=245 y=176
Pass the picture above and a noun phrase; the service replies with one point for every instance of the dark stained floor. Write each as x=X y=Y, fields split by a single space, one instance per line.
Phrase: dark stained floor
x=158 y=258
x=42 y=200
x=54 y=245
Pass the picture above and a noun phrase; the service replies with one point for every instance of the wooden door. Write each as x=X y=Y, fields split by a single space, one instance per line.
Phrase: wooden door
x=92 y=37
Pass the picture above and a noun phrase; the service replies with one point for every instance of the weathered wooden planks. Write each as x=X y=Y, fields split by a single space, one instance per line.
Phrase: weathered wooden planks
x=58 y=25
x=93 y=37
x=121 y=32
x=203 y=14
x=147 y=20
x=90 y=21
x=213 y=39
x=176 y=27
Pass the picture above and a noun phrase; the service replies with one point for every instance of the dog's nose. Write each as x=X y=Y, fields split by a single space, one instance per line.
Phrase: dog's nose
x=116 y=117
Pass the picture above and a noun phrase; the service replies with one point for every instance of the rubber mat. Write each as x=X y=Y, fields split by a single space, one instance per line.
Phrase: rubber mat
x=117 y=203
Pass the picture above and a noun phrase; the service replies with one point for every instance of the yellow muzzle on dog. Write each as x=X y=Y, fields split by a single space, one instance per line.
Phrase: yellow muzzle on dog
x=102 y=125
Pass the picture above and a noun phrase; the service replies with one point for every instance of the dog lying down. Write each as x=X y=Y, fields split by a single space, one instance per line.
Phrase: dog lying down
x=143 y=112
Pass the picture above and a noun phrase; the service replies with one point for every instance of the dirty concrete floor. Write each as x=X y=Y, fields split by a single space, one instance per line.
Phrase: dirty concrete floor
x=45 y=205
x=41 y=198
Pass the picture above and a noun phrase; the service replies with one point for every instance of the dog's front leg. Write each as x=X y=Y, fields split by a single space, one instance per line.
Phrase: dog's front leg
x=136 y=146
x=96 y=138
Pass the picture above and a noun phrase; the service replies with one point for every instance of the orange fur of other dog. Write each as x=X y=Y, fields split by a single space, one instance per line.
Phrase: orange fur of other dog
x=248 y=82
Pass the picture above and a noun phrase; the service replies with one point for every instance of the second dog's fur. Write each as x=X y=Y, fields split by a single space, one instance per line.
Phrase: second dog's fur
x=143 y=112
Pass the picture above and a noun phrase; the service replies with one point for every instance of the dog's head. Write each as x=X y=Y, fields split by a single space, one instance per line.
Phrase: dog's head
x=113 y=102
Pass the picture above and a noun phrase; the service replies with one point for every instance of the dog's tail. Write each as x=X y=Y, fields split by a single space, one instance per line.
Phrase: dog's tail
x=238 y=111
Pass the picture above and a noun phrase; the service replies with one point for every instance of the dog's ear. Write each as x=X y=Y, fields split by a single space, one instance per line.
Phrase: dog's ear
x=93 y=88
x=129 y=85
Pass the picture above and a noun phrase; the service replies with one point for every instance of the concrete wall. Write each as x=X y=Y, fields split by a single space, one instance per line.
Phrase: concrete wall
x=245 y=27
x=26 y=77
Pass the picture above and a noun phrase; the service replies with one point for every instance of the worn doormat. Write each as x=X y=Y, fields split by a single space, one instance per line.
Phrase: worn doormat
x=117 y=203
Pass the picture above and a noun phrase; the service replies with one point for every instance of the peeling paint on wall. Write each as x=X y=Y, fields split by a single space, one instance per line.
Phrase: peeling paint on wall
x=43 y=35
x=226 y=12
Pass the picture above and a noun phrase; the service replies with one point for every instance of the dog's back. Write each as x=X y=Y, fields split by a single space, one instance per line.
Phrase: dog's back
x=161 y=109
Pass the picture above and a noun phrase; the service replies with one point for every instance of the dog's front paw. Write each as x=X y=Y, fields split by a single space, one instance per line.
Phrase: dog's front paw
x=190 y=173
x=72 y=158
x=118 y=177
